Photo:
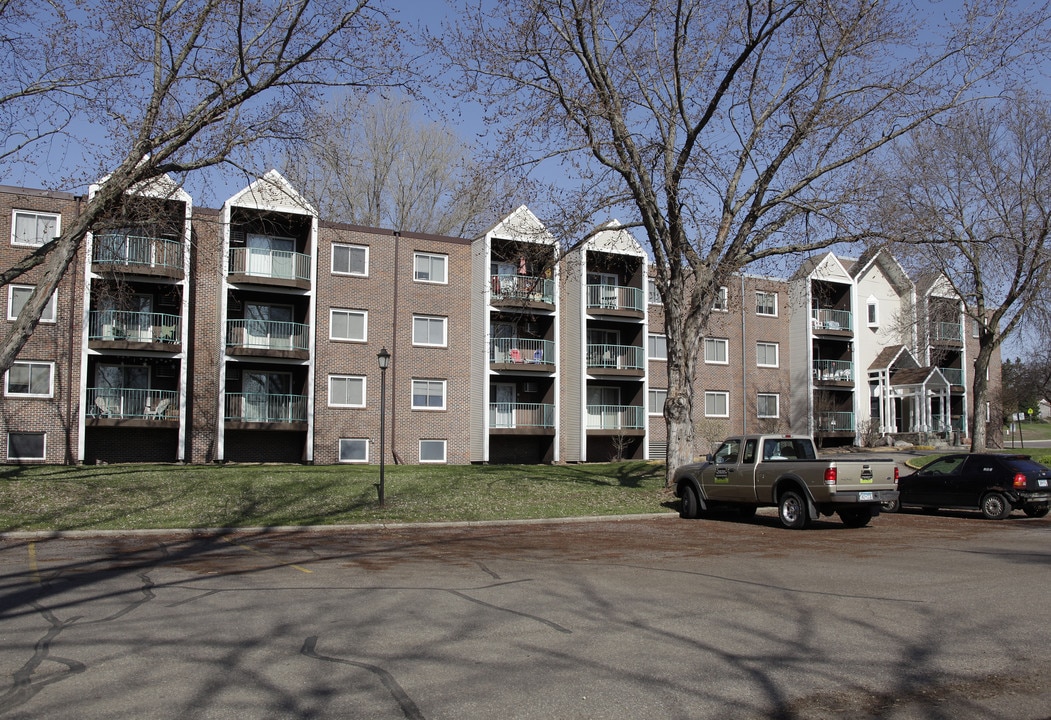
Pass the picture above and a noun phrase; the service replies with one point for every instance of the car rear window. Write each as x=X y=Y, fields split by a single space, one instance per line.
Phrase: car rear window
x=1026 y=465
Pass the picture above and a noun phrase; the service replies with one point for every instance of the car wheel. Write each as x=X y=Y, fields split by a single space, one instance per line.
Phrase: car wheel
x=690 y=507
x=792 y=511
x=995 y=506
x=856 y=517
x=1035 y=511
x=891 y=506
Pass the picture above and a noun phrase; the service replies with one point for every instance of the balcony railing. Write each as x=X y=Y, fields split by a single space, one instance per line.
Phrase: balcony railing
x=953 y=375
x=134 y=326
x=132 y=403
x=825 y=319
x=264 y=407
x=522 y=350
x=523 y=287
x=276 y=264
x=834 y=370
x=615 y=297
x=267 y=335
x=615 y=417
x=503 y=415
x=620 y=357
x=952 y=332
x=137 y=250
x=834 y=422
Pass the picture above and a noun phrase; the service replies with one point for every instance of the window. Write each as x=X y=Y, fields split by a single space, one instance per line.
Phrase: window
x=353 y=450
x=766 y=354
x=350 y=260
x=768 y=405
x=873 y=312
x=716 y=404
x=33 y=229
x=715 y=351
x=430 y=268
x=346 y=391
x=656 y=400
x=428 y=394
x=652 y=296
x=766 y=303
x=657 y=347
x=348 y=325
x=30 y=379
x=26 y=446
x=18 y=296
x=722 y=302
x=432 y=451
x=429 y=330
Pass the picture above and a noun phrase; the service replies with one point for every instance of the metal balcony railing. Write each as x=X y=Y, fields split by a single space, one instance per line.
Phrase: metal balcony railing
x=615 y=297
x=265 y=407
x=834 y=422
x=523 y=287
x=134 y=326
x=276 y=264
x=504 y=415
x=137 y=250
x=267 y=335
x=615 y=417
x=837 y=370
x=522 y=350
x=947 y=331
x=953 y=375
x=825 y=319
x=132 y=403
x=620 y=357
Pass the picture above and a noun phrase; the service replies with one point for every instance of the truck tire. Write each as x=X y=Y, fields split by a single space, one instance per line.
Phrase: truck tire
x=856 y=517
x=995 y=506
x=1035 y=511
x=792 y=511
x=690 y=506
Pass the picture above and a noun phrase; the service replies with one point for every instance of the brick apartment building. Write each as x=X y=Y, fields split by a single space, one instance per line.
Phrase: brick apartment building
x=250 y=333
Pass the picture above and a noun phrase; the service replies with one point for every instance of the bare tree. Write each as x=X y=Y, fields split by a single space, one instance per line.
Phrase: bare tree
x=192 y=84
x=384 y=165
x=970 y=202
x=732 y=132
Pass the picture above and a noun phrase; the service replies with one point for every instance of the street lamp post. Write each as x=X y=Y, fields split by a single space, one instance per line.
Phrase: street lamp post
x=384 y=359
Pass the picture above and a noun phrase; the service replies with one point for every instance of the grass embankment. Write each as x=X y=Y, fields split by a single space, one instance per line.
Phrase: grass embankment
x=126 y=497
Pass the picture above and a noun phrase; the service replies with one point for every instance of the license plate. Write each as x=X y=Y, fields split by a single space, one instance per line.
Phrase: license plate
x=862 y=496
x=1042 y=482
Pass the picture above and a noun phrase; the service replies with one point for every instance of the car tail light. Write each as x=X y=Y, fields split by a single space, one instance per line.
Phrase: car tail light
x=831 y=475
x=1020 y=481
x=897 y=474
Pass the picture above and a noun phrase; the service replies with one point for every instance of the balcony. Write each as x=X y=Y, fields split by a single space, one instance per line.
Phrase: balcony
x=107 y=406
x=615 y=299
x=265 y=408
x=269 y=267
x=522 y=354
x=953 y=375
x=518 y=289
x=615 y=417
x=268 y=338
x=834 y=320
x=515 y=416
x=125 y=327
x=606 y=359
x=831 y=422
x=946 y=332
x=139 y=254
x=833 y=371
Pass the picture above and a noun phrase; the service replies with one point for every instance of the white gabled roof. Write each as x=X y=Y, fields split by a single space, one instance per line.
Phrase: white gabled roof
x=613 y=238
x=521 y=226
x=272 y=192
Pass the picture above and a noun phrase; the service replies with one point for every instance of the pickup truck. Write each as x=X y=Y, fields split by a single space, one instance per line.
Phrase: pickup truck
x=784 y=471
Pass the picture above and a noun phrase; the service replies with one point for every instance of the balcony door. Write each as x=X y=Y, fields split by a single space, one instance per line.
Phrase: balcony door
x=603 y=348
x=271 y=256
x=267 y=396
x=268 y=326
x=127 y=318
x=502 y=413
x=123 y=388
x=607 y=289
x=603 y=406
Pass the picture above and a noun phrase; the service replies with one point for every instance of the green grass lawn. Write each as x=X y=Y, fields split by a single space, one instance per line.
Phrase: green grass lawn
x=126 y=497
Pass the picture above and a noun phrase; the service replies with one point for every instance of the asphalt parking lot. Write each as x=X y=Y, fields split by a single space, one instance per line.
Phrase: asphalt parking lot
x=916 y=616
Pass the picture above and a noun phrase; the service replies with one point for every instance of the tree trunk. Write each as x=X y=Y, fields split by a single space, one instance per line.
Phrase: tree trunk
x=980 y=391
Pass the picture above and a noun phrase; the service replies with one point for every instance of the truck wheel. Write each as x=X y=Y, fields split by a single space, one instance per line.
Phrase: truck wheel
x=856 y=517
x=1035 y=511
x=995 y=506
x=689 y=507
x=791 y=510
x=891 y=506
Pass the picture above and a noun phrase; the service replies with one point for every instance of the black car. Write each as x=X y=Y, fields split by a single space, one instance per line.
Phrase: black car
x=995 y=484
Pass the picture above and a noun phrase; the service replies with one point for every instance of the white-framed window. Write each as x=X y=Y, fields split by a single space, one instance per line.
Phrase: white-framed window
x=716 y=404
x=767 y=354
x=722 y=301
x=652 y=296
x=18 y=296
x=657 y=397
x=872 y=312
x=346 y=391
x=32 y=229
x=768 y=405
x=716 y=351
x=26 y=446
x=430 y=267
x=350 y=260
x=432 y=451
x=353 y=450
x=30 y=379
x=657 y=347
x=351 y=325
x=766 y=303
x=429 y=330
x=428 y=394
